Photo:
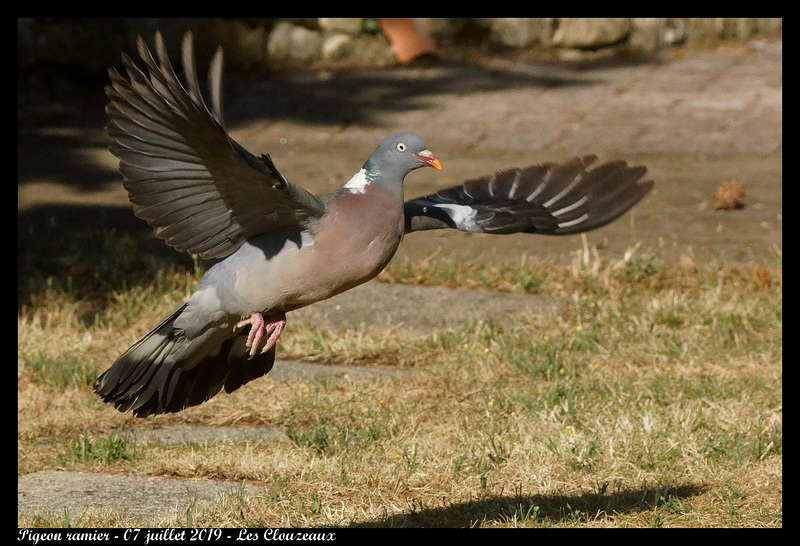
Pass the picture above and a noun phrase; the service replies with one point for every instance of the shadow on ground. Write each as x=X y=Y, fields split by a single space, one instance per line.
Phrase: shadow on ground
x=350 y=97
x=542 y=510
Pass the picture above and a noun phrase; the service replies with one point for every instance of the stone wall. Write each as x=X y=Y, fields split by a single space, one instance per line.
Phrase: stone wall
x=91 y=45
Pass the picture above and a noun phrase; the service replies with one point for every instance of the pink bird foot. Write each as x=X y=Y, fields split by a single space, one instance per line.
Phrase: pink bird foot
x=260 y=328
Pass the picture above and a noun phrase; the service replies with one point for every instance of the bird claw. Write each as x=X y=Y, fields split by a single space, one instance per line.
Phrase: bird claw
x=260 y=328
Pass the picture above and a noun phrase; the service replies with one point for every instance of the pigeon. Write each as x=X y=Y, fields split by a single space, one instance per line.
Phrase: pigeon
x=275 y=247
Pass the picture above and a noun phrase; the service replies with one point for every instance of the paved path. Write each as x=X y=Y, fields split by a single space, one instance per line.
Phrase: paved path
x=695 y=120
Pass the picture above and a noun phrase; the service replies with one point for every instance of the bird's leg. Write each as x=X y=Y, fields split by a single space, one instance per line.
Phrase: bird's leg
x=256 y=322
x=274 y=328
x=259 y=328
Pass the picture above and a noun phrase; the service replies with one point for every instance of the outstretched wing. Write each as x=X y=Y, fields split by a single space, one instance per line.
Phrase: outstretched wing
x=549 y=199
x=200 y=190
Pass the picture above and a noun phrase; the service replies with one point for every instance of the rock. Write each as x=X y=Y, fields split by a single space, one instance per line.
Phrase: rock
x=674 y=31
x=704 y=28
x=769 y=25
x=337 y=47
x=591 y=33
x=288 y=42
x=646 y=34
x=373 y=50
x=741 y=28
x=510 y=32
x=90 y=45
x=738 y=27
x=347 y=25
x=519 y=32
x=649 y=34
x=542 y=30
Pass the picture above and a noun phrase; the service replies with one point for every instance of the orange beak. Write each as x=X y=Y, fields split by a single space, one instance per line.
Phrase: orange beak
x=427 y=158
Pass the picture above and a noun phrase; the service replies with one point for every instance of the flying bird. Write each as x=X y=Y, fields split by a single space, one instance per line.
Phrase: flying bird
x=275 y=246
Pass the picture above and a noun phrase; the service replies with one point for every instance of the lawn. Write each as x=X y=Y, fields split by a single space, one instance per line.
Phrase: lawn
x=652 y=399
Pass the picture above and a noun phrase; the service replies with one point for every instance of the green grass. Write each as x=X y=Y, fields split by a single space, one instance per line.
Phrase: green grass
x=86 y=448
x=64 y=370
x=652 y=399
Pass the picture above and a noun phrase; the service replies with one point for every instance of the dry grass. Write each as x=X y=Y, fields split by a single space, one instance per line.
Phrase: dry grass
x=653 y=400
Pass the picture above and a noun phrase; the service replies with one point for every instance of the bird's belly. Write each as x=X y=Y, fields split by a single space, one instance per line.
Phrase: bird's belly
x=297 y=276
x=321 y=272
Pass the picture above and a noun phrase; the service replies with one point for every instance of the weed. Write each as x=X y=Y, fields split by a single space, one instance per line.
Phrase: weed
x=87 y=448
x=62 y=371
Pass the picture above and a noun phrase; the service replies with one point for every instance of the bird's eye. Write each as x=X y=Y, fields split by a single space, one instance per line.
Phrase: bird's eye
x=401 y=147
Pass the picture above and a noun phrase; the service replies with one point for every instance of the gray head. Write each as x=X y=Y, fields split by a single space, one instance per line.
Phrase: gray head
x=396 y=156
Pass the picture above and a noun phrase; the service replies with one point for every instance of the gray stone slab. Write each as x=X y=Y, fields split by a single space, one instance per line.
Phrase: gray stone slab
x=423 y=308
x=208 y=435
x=152 y=499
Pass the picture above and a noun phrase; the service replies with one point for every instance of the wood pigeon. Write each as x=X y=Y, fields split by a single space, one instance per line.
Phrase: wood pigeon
x=276 y=246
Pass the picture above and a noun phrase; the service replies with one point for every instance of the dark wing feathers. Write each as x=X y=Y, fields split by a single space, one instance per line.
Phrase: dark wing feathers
x=146 y=380
x=200 y=190
x=550 y=199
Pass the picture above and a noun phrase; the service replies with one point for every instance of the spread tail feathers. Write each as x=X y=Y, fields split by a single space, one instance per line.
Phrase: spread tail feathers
x=147 y=380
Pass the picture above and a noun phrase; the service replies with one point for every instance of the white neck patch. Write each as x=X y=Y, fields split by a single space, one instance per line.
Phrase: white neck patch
x=359 y=182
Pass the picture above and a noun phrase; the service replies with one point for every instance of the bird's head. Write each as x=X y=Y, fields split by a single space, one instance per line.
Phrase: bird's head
x=397 y=155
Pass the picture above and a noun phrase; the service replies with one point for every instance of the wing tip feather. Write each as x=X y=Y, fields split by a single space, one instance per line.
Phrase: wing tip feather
x=609 y=190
